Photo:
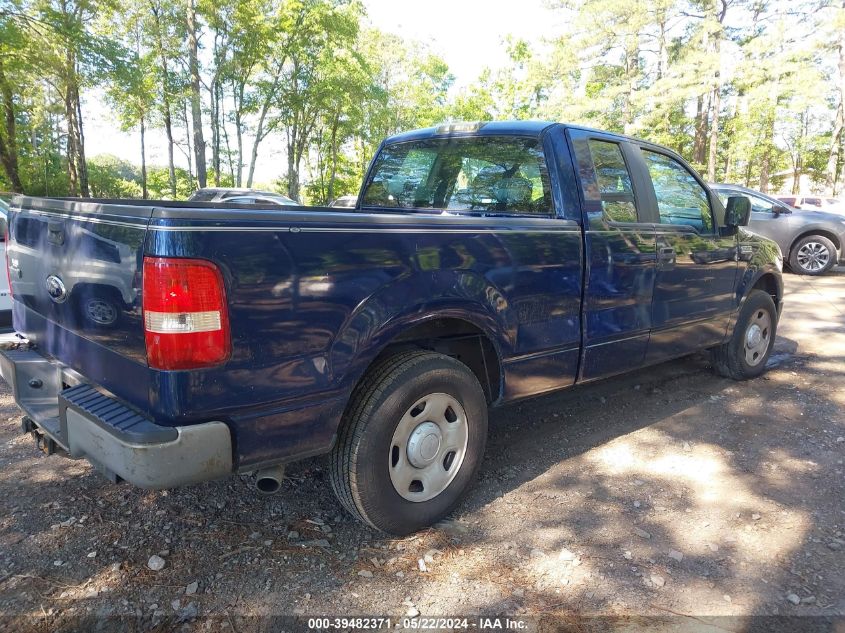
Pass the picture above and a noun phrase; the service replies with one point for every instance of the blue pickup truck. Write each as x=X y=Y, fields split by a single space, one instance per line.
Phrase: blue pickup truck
x=170 y=343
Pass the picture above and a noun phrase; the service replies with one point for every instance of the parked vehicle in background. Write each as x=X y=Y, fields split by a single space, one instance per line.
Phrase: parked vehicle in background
x=226 y=194
x=262 y=199
x=814 y=203
x=5 y=293
x=345 y=202
x=485 y=263
x=812 y=242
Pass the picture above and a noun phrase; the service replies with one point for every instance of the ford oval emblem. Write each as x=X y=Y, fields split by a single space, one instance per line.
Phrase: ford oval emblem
x=56 y=289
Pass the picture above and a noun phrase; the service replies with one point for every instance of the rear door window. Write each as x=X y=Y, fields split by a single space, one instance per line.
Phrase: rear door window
x=487 y=174
x=613 y=181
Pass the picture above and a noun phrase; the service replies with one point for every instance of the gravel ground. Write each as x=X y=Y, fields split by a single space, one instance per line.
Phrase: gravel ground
x=670 y=494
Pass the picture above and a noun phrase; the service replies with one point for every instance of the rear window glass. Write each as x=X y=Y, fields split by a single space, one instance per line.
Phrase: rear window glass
x=492 y=174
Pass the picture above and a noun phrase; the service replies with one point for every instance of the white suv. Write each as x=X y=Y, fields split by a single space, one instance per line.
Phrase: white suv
x=814 y=203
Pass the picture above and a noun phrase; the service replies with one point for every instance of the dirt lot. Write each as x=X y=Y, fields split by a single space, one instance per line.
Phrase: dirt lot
x=669 y=493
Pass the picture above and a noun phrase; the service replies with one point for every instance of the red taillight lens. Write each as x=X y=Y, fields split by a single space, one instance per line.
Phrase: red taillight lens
x=186 y=322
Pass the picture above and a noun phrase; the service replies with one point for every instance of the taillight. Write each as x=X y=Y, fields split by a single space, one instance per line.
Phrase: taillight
x=186 y=323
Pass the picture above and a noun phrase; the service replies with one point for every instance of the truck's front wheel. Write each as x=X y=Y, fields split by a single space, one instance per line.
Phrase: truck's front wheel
x=745 y=354
x=410 y=442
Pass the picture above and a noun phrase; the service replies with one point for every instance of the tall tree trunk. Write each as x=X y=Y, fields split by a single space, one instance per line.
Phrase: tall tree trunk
x=80 y=147
x=70 y=118
x=240 y=138
x=716 y=101
x=196 y=102
x=144 y=193
x=215 y=130
x=765 y=165
x=293 y=175
x=714 y=129
x=662 y=53
x=632 y=57
x=768 y=145
x=238 y=98
x=8 y=140
x=333 y=158
x=700 y=140
x=171 y=163
x=260 y=132
x=165 y=100
x=188 y=141
x=839 y=123
x=225 y=133
x=796 y=174
x=303 y=131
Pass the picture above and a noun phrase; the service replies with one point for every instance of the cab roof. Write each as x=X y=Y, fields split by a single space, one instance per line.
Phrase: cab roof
x=473 y=128
x=497 y=128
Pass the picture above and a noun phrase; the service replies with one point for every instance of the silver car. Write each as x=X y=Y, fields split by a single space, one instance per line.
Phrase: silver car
x=812 y=242
x=240 y=196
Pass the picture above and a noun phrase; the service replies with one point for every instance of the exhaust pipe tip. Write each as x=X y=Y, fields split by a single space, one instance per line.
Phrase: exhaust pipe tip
x=268 y=481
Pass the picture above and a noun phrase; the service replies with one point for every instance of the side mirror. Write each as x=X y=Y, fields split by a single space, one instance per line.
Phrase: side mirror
x=737 y=211
x=777 y=210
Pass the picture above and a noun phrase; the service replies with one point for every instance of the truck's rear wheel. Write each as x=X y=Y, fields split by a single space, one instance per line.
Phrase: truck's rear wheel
x=410 y=442
x=745 y=354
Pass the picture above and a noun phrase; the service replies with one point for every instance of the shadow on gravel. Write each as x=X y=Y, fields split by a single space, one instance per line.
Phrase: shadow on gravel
x=668 y=492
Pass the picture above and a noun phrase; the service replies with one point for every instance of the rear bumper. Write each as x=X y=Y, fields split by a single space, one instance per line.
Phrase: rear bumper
x=115 y=438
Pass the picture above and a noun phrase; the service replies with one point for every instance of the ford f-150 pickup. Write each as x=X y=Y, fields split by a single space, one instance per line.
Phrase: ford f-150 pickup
x=170 y=343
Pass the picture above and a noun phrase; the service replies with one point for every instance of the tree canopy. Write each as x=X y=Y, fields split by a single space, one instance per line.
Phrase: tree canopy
x=749 y=91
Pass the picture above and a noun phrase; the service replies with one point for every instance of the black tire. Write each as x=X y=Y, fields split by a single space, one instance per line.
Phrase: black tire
x=730 y=360
x=361 y=459
x=98 y=311
x=811 y=246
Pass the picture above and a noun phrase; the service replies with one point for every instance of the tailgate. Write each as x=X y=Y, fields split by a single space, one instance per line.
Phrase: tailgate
x=75 y=277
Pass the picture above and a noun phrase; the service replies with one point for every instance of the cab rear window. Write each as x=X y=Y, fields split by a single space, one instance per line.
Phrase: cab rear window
x=486 y=174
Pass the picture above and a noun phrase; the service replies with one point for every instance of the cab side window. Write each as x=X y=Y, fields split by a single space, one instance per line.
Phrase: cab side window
x=613 y=181
x=680 y=198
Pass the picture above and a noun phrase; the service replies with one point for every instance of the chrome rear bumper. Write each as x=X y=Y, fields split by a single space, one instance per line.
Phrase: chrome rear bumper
x=118 y=440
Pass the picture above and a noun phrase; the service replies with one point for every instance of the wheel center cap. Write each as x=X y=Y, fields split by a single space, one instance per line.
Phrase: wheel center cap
x=424 y=444
x=754 y=336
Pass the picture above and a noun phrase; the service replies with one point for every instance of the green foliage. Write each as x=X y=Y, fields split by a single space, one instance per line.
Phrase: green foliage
x=158 y=182
x=752 y=90
x=111 y=177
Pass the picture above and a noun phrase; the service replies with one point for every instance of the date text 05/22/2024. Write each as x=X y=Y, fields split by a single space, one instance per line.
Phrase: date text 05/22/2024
x=419 y=623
